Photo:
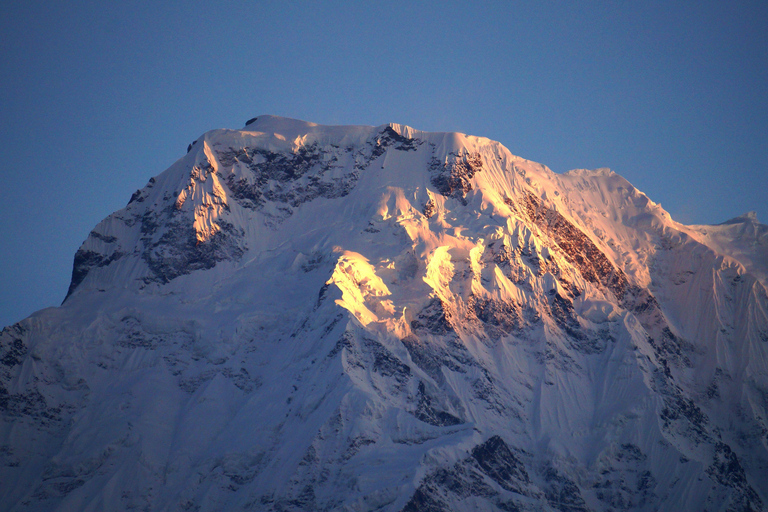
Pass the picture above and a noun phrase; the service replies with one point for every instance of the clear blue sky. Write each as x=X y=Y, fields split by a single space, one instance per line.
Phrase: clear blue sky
x=97 y=97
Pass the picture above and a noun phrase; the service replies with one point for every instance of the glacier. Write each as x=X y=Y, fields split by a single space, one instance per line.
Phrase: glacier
x=297 y=317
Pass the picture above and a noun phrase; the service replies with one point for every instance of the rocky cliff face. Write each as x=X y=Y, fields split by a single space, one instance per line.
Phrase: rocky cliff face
x=303 y=317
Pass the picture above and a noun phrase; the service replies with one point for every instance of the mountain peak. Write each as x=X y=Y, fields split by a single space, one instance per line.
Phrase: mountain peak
x=749 y=217
x=278 y=124
x=305 y=317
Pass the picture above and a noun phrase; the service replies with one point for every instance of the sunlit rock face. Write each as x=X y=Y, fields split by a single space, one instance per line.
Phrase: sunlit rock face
x=297 y=317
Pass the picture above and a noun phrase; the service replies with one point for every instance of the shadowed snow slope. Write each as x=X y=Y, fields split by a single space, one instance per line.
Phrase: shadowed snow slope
x=302 y=317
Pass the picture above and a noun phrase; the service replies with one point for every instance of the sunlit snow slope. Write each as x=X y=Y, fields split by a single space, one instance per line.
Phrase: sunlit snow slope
x=297 y=317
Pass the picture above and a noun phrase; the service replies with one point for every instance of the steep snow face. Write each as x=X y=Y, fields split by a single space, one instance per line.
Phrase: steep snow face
x=742 y=238
x=306 y=317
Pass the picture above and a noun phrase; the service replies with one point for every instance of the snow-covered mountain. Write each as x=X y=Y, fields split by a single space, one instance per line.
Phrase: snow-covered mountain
x=297 y=317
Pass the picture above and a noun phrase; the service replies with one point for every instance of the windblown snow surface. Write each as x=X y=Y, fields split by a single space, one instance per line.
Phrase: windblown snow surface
x=297 y=317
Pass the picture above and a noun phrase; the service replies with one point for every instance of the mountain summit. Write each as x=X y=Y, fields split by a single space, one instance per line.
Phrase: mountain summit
x=296 y=317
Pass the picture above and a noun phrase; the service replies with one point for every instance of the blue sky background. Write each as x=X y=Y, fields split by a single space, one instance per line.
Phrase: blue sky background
x=97 y=97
